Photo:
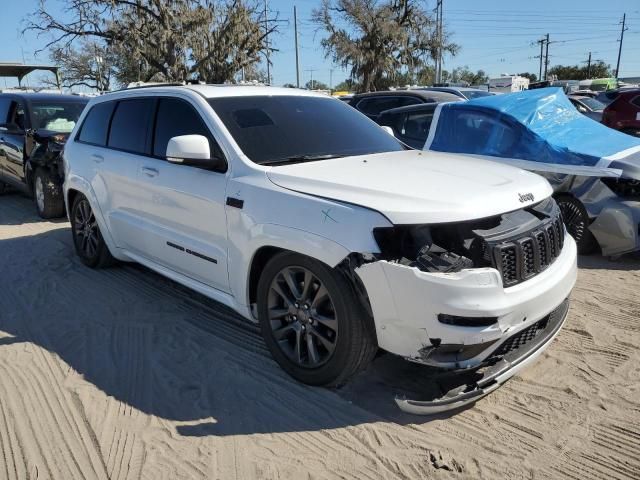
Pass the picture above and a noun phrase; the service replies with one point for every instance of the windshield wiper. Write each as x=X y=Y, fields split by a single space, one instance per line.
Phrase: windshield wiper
x=301 y=159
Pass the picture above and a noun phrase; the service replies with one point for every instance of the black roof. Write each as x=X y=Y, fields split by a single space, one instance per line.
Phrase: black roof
x=46 y=97
x=426 y=95
x=411 y=108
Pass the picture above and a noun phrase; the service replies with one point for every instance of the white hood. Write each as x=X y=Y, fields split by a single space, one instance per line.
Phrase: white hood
x=417 y=187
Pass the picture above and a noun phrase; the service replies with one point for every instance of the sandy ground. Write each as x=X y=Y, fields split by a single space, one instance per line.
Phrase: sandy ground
x=121 y=374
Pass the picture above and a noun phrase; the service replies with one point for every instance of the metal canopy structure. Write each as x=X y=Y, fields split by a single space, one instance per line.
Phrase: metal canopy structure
x=21 y=70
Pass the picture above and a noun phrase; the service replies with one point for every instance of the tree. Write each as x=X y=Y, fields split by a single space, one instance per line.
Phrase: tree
x=464 y=75
x=91 y=65
x=347 y=85
x=173 y=40
x=316 y=85
x=379 y=39
x=599 y=69
x=531 y=76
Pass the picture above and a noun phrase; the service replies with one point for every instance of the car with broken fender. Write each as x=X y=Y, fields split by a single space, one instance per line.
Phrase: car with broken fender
x=304 y=216
x=33 y=130
x=594 y=170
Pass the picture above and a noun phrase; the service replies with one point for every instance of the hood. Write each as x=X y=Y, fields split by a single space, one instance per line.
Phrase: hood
x=417 y=187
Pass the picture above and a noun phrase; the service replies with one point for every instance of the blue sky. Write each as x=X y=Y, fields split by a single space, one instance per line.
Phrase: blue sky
x=494 y=35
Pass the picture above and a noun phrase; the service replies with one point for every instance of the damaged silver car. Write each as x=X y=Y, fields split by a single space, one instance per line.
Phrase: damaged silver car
x=594 y=170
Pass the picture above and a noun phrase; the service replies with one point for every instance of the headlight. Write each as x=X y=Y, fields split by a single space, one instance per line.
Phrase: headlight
x=414 y=245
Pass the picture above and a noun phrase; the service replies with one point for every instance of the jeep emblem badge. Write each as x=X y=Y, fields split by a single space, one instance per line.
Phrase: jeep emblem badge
x=526 y=197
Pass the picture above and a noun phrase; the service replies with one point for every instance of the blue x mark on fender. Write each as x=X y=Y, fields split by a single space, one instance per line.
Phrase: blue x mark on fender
x=327 y=216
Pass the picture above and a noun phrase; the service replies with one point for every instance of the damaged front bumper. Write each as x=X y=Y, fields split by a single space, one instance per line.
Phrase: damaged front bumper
x=411 y=309
x=512 y=355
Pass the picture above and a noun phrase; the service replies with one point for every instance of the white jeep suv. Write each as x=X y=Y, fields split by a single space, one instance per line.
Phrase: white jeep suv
x=303 y=215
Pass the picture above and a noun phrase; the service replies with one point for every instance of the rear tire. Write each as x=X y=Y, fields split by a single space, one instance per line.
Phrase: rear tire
x=576 y=219
x=48 y=195
x=312 y=322
x=87 y=239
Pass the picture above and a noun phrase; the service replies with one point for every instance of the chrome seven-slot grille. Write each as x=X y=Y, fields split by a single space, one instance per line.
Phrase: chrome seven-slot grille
x=520 y=259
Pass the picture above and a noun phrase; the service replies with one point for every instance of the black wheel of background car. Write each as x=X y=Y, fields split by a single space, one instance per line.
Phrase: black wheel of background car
x=312 y=322
x=576 y=220
x=3 y=188
x=48 y=195
x=632 y=131
x=87 y=239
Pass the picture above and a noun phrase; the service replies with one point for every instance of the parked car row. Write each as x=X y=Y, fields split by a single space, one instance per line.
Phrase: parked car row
x=337 y=238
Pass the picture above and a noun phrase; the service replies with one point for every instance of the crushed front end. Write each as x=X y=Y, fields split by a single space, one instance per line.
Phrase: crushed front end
x=471 y=296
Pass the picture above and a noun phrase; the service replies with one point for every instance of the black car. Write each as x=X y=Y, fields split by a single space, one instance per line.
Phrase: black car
x=373 y=103
x=33 y=130
x=410 y=124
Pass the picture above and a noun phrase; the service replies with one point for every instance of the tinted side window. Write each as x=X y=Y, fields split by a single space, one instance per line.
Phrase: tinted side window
x=5 y=103
x=176 y=117
x=375 y=105
x=417 y=126
x=130 y=125
x=636 y=101
x=96 y=124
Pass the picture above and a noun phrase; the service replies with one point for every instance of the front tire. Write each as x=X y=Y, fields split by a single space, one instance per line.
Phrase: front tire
x=312 y=322
x=576 y=220
x=87 y=239
x=48 y=195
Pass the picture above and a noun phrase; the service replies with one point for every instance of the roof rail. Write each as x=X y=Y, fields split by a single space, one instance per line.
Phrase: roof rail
x=153 y=84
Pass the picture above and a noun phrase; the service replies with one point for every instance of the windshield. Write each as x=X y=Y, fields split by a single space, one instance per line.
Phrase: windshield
x=56 y=116
x=593 y=104
x=291 y=128
x=471 y=94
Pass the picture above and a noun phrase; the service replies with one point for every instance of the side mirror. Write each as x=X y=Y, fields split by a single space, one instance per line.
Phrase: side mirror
x=388 y=129
x=192 y=150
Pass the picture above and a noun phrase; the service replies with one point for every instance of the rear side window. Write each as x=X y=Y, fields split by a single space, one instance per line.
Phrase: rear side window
x=96 y=124
x=176 y=117
x=417 y=125
x=636 y=101
x=130 y=125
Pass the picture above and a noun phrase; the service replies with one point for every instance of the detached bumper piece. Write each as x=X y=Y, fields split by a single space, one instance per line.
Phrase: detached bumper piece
x=510 y=356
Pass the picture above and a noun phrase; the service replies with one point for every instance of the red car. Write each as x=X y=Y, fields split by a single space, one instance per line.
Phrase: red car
x=623 y=113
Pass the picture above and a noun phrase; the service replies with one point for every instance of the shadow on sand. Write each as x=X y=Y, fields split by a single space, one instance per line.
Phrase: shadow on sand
x=169 y=352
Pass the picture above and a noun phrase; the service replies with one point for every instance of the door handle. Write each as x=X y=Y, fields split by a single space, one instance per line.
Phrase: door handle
x=97 y=158
x=150 y=172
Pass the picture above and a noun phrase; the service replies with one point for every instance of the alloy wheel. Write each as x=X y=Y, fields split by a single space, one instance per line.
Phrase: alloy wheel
x=302 y=317
x=86 y=229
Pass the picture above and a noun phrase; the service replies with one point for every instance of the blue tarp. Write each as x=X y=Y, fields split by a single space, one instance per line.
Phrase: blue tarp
x=538 y=125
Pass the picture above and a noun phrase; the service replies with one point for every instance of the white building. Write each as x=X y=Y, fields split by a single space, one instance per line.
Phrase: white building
x=508 y=83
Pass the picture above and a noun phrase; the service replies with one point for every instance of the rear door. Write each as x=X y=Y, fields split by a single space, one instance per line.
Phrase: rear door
x=182 y=207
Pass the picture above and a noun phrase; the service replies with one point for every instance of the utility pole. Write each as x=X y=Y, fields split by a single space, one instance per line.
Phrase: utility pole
x=546 y=57
x=331 y=79
x=541 y=42
x=311 y=70
x=295 y=29
x=624 y=18
x=439 y=15
x=589 y=66
x=266 y=41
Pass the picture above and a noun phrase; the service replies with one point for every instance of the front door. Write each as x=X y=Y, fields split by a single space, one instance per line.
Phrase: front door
x=182 y=207
x=12 y=144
